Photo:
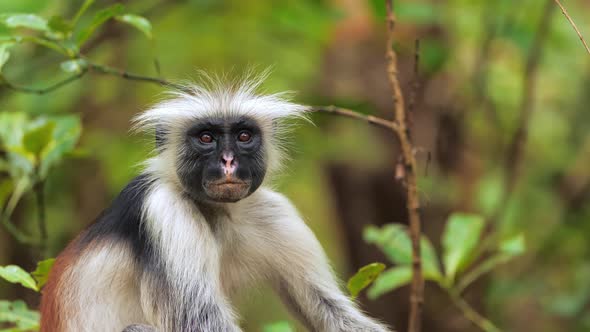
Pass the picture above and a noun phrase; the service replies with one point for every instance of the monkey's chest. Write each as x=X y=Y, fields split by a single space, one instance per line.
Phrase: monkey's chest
x=241 y=261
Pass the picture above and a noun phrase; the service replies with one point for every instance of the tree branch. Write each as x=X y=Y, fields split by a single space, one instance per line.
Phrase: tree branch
x=410 y=177
x=107 y=70
x=102 y=69
x=356 y=115
x=564 y=11
x=41 y=91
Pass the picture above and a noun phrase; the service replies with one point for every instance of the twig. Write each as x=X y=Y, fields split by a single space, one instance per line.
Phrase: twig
x=564 y=11
x=409 y=160
x=470 y=313
x=134 y=77
x=356 y=115
x=102 y=69
x=41 y=91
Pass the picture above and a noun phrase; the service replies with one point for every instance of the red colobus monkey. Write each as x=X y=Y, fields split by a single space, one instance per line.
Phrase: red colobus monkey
x=197 y=225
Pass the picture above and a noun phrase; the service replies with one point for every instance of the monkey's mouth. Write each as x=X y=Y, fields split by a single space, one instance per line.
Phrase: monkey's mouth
x=227 y=190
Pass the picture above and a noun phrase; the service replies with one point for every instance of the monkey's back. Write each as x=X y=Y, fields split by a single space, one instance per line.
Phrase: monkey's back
x=93 y=283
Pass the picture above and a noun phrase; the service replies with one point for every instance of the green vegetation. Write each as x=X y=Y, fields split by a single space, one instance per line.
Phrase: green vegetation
x=500 y=121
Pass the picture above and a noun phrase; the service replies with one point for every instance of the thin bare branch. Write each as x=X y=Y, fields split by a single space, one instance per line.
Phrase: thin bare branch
x=134 y=77
x=410 y=175
x=567 y=16
x=356 y=115
x=42 y=91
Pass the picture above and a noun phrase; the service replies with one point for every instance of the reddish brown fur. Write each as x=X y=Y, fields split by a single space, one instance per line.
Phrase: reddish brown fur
x=52 y=311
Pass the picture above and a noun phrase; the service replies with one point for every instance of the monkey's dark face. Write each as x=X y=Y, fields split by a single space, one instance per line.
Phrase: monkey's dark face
x=222 y=160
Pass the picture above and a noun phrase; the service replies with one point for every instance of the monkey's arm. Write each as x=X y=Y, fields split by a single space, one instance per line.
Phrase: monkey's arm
x=304 y=278
x=180 y=289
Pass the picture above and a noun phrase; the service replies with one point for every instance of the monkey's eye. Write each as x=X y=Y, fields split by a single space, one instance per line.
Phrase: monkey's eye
x=205 y=138
x=244 y=136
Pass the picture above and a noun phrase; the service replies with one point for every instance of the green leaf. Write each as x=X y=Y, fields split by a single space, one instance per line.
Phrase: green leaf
x=459 y=239
x=4 y=53
x=513 y=246
x=139 y=22
x=60 y=27
x=389 y=280
x=74 y=66
x=37 y=139
x=16 y=275
x=394 y=241
x=282 y=326
x=364 y=277
x=12 y=128
x=100 y=17
x=41 y=273
x=30 y=21
x=65 y=136
x=19 y=314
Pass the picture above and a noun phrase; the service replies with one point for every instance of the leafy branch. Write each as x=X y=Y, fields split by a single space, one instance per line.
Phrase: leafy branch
x=461 y=258
x=16 y=313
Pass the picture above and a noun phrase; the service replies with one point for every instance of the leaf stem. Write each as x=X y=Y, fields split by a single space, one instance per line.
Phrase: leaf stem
x=19 y=235
x=39 y=190
x=477 y=319
x=480 y=270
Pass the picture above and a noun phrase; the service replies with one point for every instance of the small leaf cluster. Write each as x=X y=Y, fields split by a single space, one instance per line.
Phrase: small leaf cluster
x=16 y=313
x=64 y=35
x=462 y=249
x=30 y=147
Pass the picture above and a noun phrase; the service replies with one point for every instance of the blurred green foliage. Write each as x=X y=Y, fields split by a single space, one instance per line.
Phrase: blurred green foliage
x=472 y=65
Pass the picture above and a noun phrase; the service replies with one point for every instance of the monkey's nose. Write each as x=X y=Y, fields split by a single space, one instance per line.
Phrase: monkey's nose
x=228 y=163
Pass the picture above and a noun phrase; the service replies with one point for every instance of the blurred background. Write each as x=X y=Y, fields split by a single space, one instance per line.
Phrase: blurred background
x=474 y=85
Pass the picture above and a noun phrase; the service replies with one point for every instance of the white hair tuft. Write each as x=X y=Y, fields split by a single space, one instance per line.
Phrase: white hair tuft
x=220 y=97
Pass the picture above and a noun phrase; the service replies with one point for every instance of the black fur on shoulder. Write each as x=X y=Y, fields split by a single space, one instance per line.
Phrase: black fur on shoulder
x=122 y=220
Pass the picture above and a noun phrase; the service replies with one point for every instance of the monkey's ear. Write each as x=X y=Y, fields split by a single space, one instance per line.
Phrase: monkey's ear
x=160 y=136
